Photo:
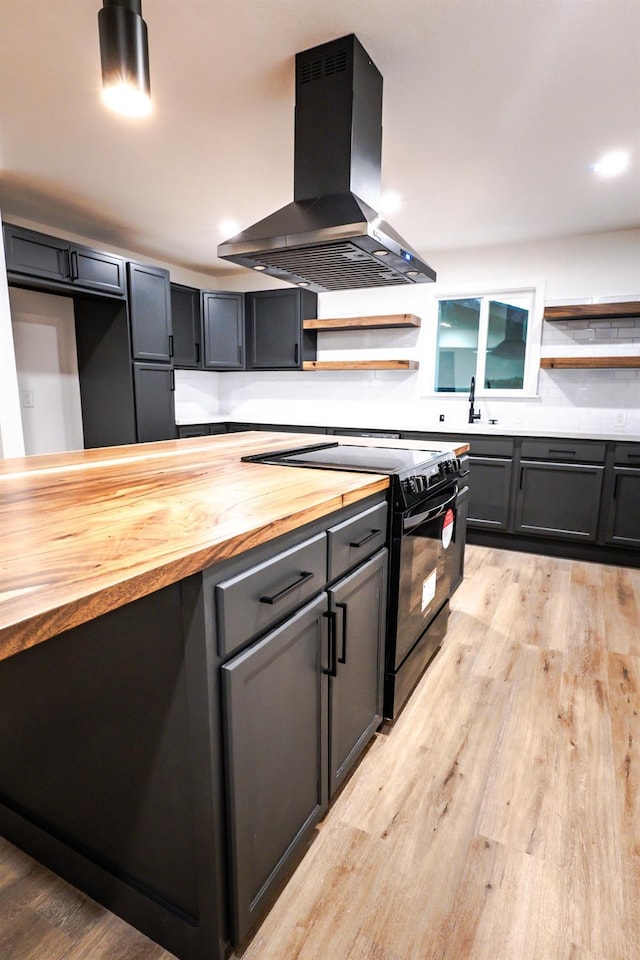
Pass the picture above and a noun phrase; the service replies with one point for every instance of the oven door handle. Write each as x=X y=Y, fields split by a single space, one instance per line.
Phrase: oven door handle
x=410 y=523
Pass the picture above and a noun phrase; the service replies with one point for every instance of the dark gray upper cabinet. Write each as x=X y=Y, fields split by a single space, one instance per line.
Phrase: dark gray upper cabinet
x=154 y=402
x=275 y=336
x=223 y=327
x=186 y=326
x=275 y=720
x=150 y=313
x=355 y=693
x=558 y=499
x=72 y=265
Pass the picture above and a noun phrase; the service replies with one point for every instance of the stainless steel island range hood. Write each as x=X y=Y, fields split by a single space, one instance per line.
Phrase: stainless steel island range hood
x=330 y=237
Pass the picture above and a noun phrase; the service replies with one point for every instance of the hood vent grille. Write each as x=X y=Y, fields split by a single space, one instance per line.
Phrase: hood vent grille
x=337 y=266
x=315 y=68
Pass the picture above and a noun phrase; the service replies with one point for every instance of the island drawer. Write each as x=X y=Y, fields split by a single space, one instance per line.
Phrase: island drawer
x=563 y=450
x=250 y=603
x=353 y=540
x=490 y=447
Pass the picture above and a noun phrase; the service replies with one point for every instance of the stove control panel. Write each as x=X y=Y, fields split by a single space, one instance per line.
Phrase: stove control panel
x=427 y=479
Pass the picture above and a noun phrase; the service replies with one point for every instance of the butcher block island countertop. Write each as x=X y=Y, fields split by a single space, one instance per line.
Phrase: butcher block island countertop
x=85 y=532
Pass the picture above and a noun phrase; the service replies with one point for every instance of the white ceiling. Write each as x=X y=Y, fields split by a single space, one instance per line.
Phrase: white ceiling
x=493 y=112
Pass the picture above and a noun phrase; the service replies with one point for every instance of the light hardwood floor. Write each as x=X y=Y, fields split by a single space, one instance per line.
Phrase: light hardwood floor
x=499 y=819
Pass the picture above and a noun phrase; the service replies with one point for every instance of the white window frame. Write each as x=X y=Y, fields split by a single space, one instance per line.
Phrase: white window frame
x=485 y=293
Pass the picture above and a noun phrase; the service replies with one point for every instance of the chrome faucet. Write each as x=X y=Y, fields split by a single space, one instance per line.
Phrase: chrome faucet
x=473 y=414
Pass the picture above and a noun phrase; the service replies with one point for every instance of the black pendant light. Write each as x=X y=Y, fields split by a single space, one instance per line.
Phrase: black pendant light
x=124 y=55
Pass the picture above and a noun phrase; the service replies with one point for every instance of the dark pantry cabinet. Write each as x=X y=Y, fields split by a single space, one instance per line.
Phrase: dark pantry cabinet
x=275 y=336
x=61 y=263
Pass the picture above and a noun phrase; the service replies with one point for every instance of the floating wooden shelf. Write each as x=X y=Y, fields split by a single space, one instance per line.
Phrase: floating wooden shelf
x=593 y=311
x=574 y=363
x=364 y=323
x=360 y=365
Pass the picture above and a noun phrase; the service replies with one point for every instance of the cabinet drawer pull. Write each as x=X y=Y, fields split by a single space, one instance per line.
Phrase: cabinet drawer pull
x=633 y=456
x=332 y=669
x=73 y=265
x=304 y=576
x=361 y=543
x=570 y=453
x=343 y=607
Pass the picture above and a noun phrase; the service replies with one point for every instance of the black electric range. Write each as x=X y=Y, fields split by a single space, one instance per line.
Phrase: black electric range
x=424 y=488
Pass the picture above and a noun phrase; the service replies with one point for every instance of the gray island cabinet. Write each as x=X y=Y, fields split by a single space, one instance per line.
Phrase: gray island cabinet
x=171 y=757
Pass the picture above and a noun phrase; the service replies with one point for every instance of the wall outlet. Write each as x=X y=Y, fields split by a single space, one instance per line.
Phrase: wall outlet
x=620 y=418
x=27 y=398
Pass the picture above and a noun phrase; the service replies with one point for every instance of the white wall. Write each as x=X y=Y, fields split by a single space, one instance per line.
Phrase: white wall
x=47 y=366
x=575 y=269
x=11 y=440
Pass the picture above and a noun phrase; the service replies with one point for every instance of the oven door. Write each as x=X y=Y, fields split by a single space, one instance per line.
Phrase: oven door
x=423 y=536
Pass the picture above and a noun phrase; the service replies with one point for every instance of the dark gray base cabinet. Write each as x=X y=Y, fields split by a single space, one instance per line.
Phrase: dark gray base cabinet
x=559 y=500
x=355 y=693
x=489 y=492
x=623 y=519
x=275 y=709
x=299 y=707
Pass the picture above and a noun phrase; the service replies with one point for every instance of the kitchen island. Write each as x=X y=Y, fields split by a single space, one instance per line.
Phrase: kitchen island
x=144 y=725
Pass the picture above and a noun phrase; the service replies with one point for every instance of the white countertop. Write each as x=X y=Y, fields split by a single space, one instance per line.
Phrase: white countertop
x=447 y=430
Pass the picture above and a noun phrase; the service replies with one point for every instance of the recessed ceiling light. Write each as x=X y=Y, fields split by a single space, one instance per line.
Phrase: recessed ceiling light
x=612 y=164
x=229 y=227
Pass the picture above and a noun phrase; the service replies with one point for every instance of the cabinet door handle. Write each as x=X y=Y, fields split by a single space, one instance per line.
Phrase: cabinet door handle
x=172 y=381
x=170 y=345
x=304 y=576
x=615 y=486
x=296 y=354
x=343 y=607
x=521 y=475
x=332 y=669
x=361 y=543
x=197 y=353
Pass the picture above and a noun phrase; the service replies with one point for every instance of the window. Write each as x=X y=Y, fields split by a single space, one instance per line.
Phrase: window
x=486 y=337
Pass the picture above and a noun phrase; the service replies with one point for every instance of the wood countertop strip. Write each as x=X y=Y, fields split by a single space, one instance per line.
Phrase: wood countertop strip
x=85 y=532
